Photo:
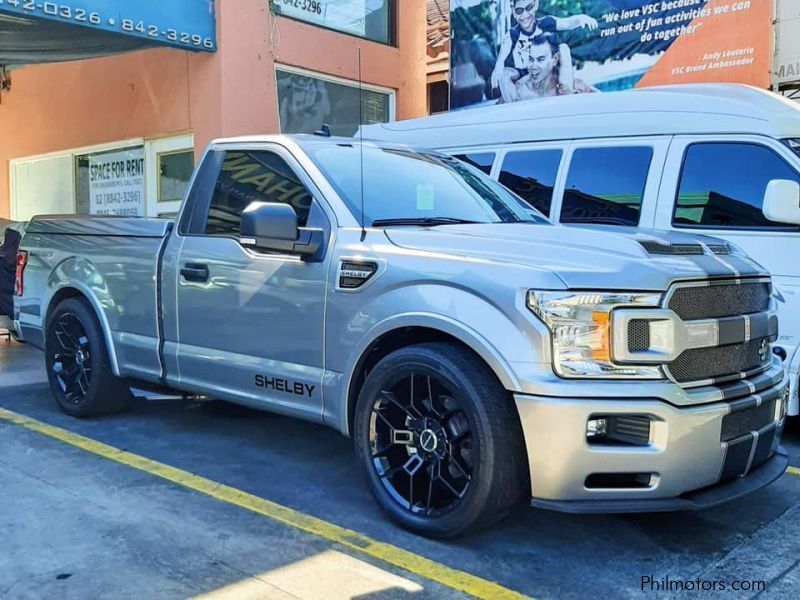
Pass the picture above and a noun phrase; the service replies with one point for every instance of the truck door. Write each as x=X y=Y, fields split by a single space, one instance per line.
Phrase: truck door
x=250 y=324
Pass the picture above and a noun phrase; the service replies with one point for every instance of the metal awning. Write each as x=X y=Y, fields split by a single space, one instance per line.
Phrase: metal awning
x=41 y=32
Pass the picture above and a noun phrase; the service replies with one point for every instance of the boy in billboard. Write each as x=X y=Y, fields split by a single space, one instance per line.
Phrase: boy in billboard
x=513 y=59
x=544 y=72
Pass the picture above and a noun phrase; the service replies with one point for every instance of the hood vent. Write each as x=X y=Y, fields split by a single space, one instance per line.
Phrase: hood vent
x=672 y=249
x=720 y=249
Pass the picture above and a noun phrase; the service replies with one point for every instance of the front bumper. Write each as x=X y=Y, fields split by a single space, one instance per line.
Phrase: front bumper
x=690 y=467
x=697 y=500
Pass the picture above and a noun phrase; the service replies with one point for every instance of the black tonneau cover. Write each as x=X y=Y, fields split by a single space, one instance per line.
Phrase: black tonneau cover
x=99 y=226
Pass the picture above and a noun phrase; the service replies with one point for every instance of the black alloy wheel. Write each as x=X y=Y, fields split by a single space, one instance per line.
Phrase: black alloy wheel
x=439 y=440
x=77 y=361
x=71 y=363
x=421 y=444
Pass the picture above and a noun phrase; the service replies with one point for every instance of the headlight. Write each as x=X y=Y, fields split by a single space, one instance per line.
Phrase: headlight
x=580 y=324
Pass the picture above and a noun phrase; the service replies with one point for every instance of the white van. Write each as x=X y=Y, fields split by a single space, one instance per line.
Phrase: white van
x=705 y=159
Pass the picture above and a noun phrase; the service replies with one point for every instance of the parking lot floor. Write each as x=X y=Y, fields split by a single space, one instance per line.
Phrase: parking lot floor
x=75 y=523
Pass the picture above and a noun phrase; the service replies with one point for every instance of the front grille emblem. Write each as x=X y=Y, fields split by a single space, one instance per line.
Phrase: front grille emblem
x=763 y=350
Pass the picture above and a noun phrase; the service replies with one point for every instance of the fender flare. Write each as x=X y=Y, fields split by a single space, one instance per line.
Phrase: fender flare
x=88 y=294
x=434 y=321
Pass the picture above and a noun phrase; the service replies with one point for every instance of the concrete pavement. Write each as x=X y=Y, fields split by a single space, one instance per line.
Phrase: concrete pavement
x=109 y=521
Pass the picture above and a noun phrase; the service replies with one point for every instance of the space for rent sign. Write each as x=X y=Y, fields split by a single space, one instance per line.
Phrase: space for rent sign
x=116 y=183
x=508 y=50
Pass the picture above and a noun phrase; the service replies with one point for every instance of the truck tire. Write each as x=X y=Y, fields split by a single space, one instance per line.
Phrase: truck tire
x=78 y=367
x=444 y=466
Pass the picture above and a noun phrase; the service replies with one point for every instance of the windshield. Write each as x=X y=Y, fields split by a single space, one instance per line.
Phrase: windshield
x=405 y=187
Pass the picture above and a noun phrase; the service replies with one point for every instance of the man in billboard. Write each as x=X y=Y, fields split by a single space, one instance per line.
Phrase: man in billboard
x=544 y=72
x=513 y=60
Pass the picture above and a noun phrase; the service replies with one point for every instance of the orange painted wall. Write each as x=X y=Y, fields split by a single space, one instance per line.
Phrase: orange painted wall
x=165 y=91
x=687 y=60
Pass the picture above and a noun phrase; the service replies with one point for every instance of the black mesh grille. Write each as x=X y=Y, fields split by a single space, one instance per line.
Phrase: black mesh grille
x=737 y=424
x=718 y=361
x=638 y=335
x=718 y=301
x=354 y=275
x=631 y=429
x=672 y=249
x=350 y=282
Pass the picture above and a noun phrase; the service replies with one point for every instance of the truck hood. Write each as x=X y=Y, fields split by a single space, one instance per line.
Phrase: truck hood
x=586 y=258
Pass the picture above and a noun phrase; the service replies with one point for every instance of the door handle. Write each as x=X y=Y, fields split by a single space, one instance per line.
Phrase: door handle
x=195 y=272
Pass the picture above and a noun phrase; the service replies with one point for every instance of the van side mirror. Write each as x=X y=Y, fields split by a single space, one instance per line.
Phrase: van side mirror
x=782 y=201
x=273 y=226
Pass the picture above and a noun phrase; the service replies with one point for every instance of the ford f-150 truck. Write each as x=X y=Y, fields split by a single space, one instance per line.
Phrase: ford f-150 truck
x=476 y=353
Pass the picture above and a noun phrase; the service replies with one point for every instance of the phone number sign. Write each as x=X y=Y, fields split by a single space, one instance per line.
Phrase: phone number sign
x=187 y=24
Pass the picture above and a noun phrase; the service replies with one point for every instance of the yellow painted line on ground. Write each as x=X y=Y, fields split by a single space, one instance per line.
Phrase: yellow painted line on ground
x=393 y=555
x=793 y=470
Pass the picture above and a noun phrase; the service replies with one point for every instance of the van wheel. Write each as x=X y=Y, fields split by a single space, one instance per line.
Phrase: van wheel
x=78 y=367
x=440 y=440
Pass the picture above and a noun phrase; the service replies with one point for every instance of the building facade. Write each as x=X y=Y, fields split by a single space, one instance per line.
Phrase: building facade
x=120 y=134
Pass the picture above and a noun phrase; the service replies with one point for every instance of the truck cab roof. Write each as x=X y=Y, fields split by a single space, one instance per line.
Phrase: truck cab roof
x=302 y=139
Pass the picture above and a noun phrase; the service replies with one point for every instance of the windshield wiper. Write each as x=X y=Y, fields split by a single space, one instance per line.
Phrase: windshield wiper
x=422 y=221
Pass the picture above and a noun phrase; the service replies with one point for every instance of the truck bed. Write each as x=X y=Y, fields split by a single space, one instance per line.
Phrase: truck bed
x=116 y=258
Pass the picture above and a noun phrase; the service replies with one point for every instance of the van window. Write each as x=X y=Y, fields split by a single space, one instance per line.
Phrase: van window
x=723 y=185
x=479 y=160
x=606 y=185
x=531 y=174
x=255 y=176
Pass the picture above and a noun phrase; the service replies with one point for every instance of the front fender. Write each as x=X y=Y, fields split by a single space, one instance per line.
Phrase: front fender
x=501 y=331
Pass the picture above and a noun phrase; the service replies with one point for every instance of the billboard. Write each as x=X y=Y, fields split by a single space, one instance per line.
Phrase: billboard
x=787 y=69
x=510 y=50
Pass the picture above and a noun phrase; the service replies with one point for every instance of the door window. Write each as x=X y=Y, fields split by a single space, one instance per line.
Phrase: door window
x=253 y=176
x=723 y=185
x=479 y=160
x=606 y=185
x=531 y=174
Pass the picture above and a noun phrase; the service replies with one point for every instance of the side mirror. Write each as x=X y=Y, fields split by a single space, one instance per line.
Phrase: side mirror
x=273 y=226
x=782 y=201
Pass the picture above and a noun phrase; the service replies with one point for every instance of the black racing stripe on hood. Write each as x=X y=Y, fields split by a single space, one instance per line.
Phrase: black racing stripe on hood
x=728 y=266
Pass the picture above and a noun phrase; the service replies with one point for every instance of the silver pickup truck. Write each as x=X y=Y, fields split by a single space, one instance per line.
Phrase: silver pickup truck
x=477 y=354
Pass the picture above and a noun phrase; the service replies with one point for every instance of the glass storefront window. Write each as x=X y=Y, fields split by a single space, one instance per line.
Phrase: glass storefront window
x=174 y=171
x=111 y=183
x=369 y=19
x=307 y=102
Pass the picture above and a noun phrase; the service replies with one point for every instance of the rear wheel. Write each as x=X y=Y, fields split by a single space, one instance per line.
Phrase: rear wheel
x=440 y=440
x=78 y=367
